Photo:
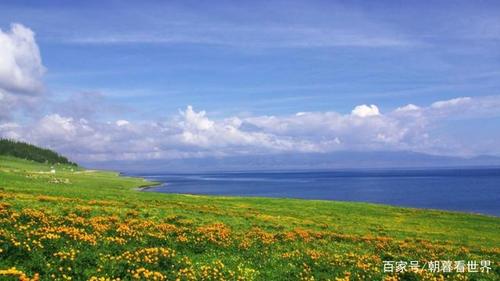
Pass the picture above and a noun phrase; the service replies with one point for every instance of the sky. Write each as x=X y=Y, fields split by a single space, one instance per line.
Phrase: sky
x=136 y=80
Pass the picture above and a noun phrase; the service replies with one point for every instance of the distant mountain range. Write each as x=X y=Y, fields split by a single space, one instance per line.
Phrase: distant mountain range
x=300 y=161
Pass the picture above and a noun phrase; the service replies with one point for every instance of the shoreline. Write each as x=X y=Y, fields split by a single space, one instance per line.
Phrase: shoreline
x=146 y=188
x=150 y=185
x=457 y=212
x=339 y=187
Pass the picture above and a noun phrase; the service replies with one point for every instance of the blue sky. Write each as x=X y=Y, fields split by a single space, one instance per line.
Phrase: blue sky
x=143 y=61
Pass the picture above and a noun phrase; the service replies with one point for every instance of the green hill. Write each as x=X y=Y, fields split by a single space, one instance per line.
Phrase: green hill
x=30 y=152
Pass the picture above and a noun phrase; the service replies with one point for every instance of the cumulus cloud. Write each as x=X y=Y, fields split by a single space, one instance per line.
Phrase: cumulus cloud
x=193 y=133
x=196 y=120
x=365 y=110
x=407 y=108
x=21 y=69
x=459 y=108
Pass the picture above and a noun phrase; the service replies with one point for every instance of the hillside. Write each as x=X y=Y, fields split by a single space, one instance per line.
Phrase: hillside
x=30 y=152
x=90 y=225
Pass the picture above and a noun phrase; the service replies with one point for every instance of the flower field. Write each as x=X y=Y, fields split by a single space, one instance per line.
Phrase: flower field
x=92 y=225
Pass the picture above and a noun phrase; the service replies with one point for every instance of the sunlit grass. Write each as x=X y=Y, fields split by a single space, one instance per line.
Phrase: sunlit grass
x=91 y=225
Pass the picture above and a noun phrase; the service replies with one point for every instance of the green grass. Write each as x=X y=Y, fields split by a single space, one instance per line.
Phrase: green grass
x=254 y=238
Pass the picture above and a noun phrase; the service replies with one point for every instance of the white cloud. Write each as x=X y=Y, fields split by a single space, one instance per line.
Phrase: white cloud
x=21 y=68
x=10 y=131
x=365 y=110
x=258 y=36
x=121 y=123
x=451 y=102
x=407 y=108
x=196 y=120
x=464 y=108
x=194 y=134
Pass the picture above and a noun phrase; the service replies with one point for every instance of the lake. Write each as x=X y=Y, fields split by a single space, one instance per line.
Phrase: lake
x=467 y=190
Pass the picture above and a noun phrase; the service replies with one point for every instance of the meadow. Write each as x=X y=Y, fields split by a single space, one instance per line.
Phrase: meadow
x=76 y=224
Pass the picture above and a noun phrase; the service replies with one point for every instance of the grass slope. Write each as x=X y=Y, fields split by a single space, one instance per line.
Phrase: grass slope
x=94 y=225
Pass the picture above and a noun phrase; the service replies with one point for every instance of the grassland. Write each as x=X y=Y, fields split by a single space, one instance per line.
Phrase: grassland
x=94 y=225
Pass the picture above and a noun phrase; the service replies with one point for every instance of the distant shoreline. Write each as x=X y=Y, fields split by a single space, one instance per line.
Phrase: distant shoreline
x=150 y=185
x=413 y=189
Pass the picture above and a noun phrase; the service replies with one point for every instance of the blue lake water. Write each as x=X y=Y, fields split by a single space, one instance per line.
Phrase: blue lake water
x=467 y=190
